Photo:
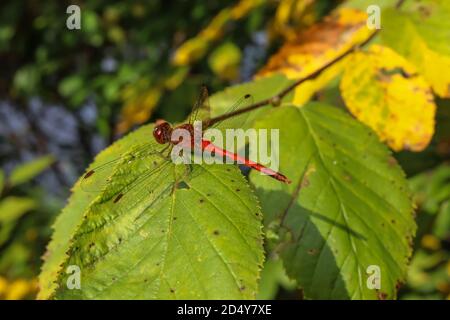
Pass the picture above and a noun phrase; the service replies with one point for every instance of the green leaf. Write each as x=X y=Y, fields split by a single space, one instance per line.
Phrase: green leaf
x=28 y=171
x=348 y=208
x=441 y=227
x=260 y=89
x=26 y=79
x=71 y=85
x=364 y=4
x=431 y=188
x=11 y=209
x=201 y=239
x=71 y=216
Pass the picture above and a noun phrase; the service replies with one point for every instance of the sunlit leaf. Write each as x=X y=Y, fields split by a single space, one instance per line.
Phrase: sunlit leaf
x=225 y=61
x=348 y=208
x=138 y=110
x=260 y=89
x=420 y=32
x=195 y=48
x=136 y=247
x=290 y=16
x=385 y=92
x=306 y=91
x=315 y=47
x=319 y=44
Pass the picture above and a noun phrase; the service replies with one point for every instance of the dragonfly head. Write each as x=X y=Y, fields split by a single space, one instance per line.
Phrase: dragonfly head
x=162 y=131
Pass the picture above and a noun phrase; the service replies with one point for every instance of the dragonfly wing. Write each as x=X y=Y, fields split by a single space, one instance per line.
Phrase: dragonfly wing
x=238 y=121
x=96 y=179
x=140 y=187
x=201 y=109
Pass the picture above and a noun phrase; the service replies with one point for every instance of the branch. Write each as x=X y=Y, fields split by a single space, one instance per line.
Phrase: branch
x=276 y=99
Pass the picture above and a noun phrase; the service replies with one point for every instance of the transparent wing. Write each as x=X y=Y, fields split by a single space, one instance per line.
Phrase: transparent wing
x=140 y=185
x=133 y=185
x=141 y=191
x=96 y=179
x=201 y=107
x=238 y=121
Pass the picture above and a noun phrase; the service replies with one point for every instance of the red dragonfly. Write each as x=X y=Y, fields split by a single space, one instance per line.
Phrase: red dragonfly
x=162 y=134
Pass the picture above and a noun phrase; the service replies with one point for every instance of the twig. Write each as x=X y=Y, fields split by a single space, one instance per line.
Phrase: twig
x=276 y=99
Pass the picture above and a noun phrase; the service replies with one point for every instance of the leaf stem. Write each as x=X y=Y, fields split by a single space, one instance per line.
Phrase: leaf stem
x=276 y=99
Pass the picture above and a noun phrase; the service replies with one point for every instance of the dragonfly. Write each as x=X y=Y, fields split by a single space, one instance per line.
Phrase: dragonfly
x=152 y=162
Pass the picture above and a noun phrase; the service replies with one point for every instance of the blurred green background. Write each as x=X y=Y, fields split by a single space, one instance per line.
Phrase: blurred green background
x=67 y=94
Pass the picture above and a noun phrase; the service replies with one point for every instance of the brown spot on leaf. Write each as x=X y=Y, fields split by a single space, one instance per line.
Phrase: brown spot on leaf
x=392 y=161
x=118 y=198
x=88 y=174
x=381 y=295
x=305 y=182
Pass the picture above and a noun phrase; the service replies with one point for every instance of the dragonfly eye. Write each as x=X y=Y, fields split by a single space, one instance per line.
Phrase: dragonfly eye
x=161 y=132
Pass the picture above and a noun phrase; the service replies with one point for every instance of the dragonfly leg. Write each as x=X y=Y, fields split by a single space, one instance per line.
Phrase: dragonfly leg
x=181 y=178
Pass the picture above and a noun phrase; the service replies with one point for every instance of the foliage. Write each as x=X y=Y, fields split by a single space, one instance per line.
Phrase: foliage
x=362 y=117
x=13 y=247
x=429 y=273
x=377 y=86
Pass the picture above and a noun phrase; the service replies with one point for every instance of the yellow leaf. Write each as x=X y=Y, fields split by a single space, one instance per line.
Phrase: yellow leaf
x=385 y=92
x=3 y=286
x=305 y=91
x=291 y=15
x=176 y=78
x=138 y=110
x=225 y=60
x=430 y=242
x=421 y=33
x=195 y=48
x=319 y=44
x=19 y=289
x=244 y=7
x=192 y=50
